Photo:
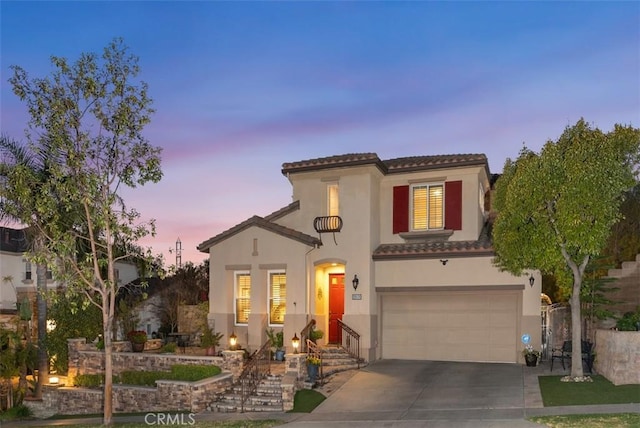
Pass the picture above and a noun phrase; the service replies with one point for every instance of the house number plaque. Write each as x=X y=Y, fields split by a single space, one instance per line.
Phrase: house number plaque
x=356 y=297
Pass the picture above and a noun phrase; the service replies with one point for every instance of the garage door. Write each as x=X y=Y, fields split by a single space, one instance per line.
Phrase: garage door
x=451 y=326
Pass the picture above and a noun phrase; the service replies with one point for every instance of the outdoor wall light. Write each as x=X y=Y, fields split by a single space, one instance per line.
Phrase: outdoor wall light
x=295 y=342
x=531 y=280
x=444 y=261
x=54 y=380
x=233 y=341
x=355 y=282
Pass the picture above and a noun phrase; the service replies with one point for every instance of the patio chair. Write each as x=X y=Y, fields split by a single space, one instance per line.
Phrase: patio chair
x=565 y=352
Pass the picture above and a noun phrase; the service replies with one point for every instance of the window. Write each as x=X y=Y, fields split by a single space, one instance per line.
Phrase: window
x=421 y=207
x=27 y=273
x=242 y=297
x=427 y=206
x=277 y=297
x=333 y=201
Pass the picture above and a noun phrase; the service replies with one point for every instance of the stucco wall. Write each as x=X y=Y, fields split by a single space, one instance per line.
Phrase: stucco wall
x=255 y=250
x=471 y=271
x=618 y=356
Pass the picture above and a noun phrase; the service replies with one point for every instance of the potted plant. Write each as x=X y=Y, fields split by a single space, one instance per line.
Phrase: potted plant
x=137 y=338
x=531 y=356
x=277 y=343
x=209 y=340
x=314 y=335
x=313 y=366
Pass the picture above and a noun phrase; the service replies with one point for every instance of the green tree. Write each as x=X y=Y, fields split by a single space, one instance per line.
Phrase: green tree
x=72 y=316
x=556 y=208
x=18 y=158
x=90 y=114
x=188 y=285
x=624 y=241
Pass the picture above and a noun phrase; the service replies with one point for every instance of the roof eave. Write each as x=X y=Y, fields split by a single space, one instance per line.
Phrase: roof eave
x=434 y=255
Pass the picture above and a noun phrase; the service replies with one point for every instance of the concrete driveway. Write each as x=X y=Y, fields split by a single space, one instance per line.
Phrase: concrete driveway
x=395 y=393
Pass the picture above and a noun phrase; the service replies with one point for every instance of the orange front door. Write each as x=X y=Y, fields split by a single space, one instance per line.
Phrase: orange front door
x=336 y=305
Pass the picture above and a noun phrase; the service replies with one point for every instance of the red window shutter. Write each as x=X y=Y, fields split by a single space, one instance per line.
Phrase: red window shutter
x=400 y=209
x=453 y=205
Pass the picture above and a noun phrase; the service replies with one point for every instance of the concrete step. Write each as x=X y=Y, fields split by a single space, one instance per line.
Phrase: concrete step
x=266 y=398
x=224 y=408
x=630 y=265
x=255 y=399
x=261 y=390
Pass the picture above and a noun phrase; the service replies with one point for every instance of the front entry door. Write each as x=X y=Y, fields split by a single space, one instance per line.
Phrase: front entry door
x=336 y=306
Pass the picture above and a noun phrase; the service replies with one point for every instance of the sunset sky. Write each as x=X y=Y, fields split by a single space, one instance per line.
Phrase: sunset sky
x=241 y=87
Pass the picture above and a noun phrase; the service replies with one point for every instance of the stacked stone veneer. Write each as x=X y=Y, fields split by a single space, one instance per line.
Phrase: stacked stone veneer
x=167 y=395
x=293 y=379
x=618 y=356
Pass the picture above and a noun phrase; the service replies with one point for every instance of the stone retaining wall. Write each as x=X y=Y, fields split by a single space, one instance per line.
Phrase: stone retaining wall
x=618 y=356
x=87 y=359
x=167 y=395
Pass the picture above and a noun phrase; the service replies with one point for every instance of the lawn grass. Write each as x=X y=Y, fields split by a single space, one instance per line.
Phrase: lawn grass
x=600 y=391
x=618 y=420
x=306 y=400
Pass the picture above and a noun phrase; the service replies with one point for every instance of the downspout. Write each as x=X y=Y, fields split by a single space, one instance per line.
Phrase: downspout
x=308 y=283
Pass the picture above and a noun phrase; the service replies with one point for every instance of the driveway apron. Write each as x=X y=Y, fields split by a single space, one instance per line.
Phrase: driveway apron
x=395 y=390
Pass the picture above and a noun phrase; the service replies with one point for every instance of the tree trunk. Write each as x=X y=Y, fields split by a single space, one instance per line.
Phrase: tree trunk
x=41 y=301
x=108 y=367
x=576 y=330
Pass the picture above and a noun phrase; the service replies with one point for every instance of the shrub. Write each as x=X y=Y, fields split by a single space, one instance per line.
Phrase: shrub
x=89 y=380
x=629 y=321
x=169 y=348
x=178 y=372
x=17 y=412
x=131 y=377
x=137 y=336
x=193 y=373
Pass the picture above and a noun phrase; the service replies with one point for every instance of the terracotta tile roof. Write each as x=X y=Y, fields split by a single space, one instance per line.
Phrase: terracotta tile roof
x=258 y=221
x=436 y=249
x=417 y=163
x=293 y=206
x=338 y=161
x=397 y=165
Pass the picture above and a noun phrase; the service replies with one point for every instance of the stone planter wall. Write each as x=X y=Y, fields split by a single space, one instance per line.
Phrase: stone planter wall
x=618 y=356
x=167 y=396
x=86 y=359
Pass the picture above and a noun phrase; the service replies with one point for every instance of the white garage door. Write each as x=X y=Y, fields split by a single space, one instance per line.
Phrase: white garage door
x=451 y=326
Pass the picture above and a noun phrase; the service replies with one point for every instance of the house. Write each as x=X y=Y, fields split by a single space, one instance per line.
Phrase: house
x=398 y=250
x=18 y=277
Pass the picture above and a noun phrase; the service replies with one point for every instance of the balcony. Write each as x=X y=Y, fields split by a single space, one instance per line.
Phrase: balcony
x=327 y=224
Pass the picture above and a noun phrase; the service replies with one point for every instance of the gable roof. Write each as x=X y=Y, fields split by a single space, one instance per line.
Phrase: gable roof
x=437 y=248
x=397 y=165
x=265 y=224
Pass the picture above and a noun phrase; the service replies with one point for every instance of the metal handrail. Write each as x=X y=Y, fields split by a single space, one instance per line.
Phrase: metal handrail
x=305 y=334
x=258 y=366
x=313 y=350
x=350 y=341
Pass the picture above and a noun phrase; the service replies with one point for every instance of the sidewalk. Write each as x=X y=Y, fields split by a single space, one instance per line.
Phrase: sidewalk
x=531 y=406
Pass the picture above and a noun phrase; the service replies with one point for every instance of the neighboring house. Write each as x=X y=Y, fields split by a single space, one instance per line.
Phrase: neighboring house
x=17 y=275
x=415 y=233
